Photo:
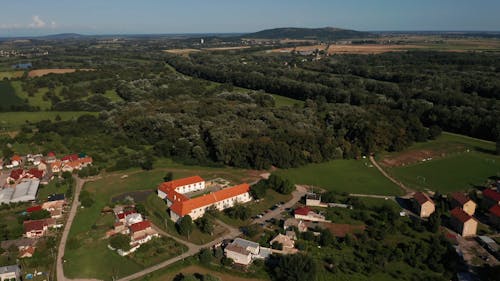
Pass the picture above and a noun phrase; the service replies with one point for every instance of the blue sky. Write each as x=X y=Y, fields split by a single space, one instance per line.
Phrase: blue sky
x=37 y=17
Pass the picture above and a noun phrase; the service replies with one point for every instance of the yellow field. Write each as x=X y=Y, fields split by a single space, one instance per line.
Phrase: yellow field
x=182 y=51
x=42 y=72
x=10 y=74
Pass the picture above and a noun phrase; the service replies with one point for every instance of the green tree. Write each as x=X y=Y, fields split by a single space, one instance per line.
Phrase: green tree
x=259 y=189
x=205 y=256
x=185 y=225
x=120 y=241
x=168 y=177
x=295 y=268
x=205 y=224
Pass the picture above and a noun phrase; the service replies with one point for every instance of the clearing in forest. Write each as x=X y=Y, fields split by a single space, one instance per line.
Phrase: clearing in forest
x=42 y=72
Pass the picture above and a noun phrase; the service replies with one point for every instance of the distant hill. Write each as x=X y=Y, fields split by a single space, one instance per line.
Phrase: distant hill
x=325 y=33
x=63 y=36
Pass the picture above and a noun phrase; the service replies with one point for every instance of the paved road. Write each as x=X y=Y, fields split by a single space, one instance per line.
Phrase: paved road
x=299 y=192
x=406 y=189
x=67 y=227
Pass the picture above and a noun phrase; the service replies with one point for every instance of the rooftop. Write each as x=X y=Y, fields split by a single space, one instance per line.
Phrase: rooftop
x=492 y=194
x=460 y=215
x=421 y=198
x=460 y=197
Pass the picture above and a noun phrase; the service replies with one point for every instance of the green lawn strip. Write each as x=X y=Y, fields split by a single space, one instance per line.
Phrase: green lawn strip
x=36 y=99
x=351 y=176
x=377 y=202
x=457 y=172
x=281 y=101
x=113 y=96
x=14 y=120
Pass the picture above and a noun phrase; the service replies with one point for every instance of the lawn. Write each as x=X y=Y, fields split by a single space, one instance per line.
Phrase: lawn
x=281 y=101
x=351 y=176
x=113 y=96
x=11 y=121
x=36 y=99
x=457 y=172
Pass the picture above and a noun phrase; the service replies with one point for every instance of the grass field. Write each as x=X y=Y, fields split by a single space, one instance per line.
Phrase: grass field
x=458 y=163
x=284 y=101
x=11 y=121
x=351 y=176
x=36 y=99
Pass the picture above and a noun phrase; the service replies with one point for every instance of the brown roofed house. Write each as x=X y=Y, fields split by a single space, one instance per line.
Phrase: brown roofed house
x=460 y=200
x=423 y=204
x=463 y=223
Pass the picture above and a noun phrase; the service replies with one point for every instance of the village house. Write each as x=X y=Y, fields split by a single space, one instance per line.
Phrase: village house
x=305 y=213
x=463 y=223
x=38 y=228
x=140 y=233
x=287 y=243
x=10 y=273
x=26 y=252
x=56 y=166
x=491 y=197
x=181 y=205
x=460 y=200
x=314 y=200
x=51 y=157
x=291 y=222
x=15 y=175
x=243 y=252
x=423 y=205
x=494 y=214
x=16 y=160
x=78 y=164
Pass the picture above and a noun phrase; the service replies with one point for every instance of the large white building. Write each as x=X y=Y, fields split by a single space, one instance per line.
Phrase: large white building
x=181 y=205
x=23 y=192
x=10 y=272
x=243 y=252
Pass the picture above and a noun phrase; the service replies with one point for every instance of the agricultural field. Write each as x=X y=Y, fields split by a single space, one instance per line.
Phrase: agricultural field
x=10 y=74
x=182 y=51
x=351 y=176
x=42 y=72
x=450 y=163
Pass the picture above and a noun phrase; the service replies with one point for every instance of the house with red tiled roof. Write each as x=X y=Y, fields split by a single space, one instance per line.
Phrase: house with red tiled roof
x=491 y=197
x=26 y=252
x=306 y=214
x=423 y=204
x=70 y=158
x=56 y=166
x=35 y=173
x=463 y=223
x=494 y=213
x=15 y=175
x=181 y=205
x=16 y=160
x=37 y=228
x=34 y=209
x=140 y=233
x=460 y=200
x=78 y=164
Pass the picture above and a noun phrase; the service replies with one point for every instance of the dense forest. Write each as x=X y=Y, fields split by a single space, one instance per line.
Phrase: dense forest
x=455 y=91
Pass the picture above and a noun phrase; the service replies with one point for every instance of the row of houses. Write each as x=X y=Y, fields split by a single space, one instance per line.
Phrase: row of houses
x=462 y=215
x=39 y=228
x=129 y=222
x=173 y=192
x=50 y=162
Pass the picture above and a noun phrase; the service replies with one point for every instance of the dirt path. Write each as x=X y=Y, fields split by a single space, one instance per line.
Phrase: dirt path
x=373 y=196
x=407 y=191
x=67 y=227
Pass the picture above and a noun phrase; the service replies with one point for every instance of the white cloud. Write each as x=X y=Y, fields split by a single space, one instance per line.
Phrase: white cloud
x=37 y=22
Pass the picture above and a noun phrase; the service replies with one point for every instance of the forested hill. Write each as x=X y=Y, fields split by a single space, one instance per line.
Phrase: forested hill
x=325 y=33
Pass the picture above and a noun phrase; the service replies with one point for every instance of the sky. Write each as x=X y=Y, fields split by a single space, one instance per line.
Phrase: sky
x=37 y=17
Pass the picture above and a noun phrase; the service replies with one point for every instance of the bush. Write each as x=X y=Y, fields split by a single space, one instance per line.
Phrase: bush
x=120 y=241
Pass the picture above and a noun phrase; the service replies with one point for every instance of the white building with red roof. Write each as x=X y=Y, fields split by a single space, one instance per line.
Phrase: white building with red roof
x=305 y=213
x=181 y=205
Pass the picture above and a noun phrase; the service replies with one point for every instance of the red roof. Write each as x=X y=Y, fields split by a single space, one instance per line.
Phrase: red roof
x=495 y=210
x=492 y=194
x=72 y=157
x=460 y=215
x=304 y=211
x=421 y=198
x=36 y=173
x=37 y=225
x=34 y=209
x=168 y=186
x=183 y=206
x=51 y=154
x=460 y=197
x=16 y=158
x=16 y=174
x=124 y=214
x=140 y=226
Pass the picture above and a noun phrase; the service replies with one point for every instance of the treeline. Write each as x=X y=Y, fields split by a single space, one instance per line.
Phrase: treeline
x=458 y=92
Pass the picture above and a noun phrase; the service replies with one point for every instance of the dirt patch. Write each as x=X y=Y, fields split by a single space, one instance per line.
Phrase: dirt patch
x=227 y=48
x=340 y=230
x=138 y=196
x=368 y=49
x=181 y=51
x=310 y=48
x=416 y=156
x=42 y=72
x=192 y=269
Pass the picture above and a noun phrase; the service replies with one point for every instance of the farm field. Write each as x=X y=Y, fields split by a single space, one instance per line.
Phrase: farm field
x=10 y=74
x=42 y=72
x=450 y=163
x=351 y=176
x=182 y=51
